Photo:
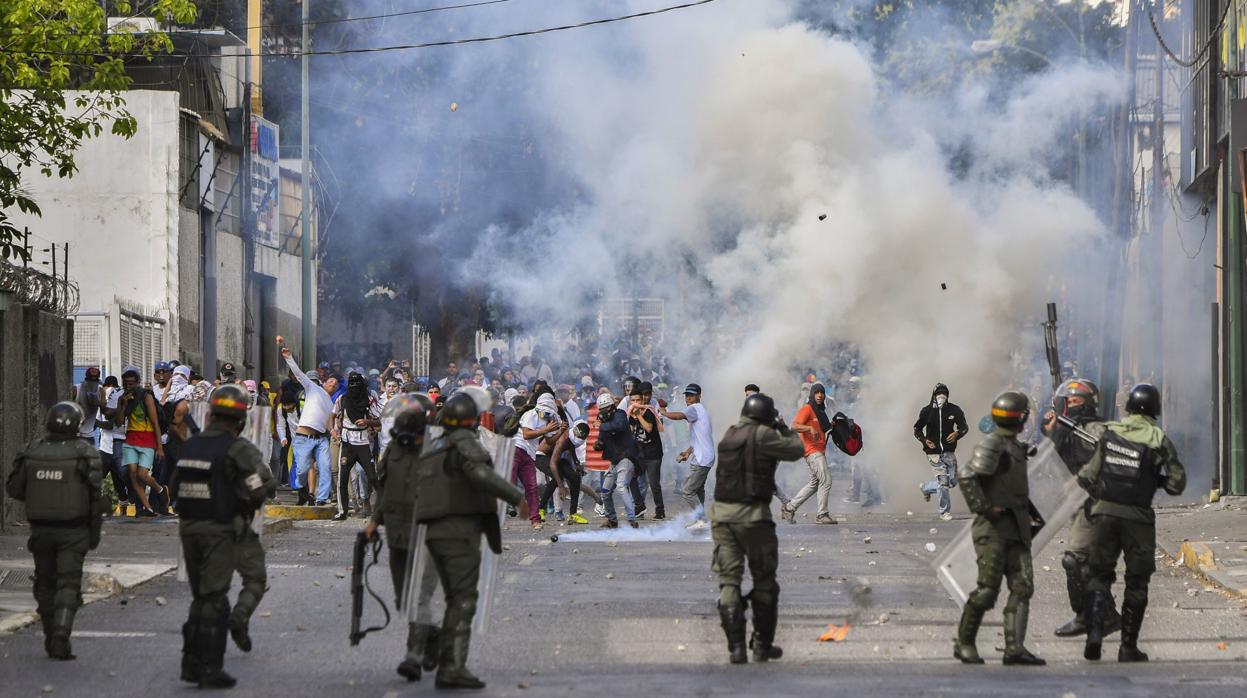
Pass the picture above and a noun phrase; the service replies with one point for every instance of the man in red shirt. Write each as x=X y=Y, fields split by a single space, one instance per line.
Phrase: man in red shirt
x=812 y=424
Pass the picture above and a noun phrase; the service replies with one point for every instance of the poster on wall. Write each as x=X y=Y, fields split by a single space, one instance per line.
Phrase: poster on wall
x=265 y=181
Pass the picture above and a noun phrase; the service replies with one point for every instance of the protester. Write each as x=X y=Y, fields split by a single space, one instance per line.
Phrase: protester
x=812 y=424
x=311 y=439
x=940 y=425
x=136 y=410
x=700 y=454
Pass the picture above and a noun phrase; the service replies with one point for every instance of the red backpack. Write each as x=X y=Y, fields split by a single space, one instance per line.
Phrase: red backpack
x=846 y=434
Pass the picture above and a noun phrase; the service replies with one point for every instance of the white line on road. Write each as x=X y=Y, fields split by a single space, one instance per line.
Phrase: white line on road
x=108 y=633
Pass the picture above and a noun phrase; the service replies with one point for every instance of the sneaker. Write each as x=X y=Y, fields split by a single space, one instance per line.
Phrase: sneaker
x=146 y=513
x=851 y=500
x=577 y=519
x=640 y=514
x=825 y=519
x=633 y=523
x=340 y=516
x=542 y=515
x=659 y=516
x=513 y=512
x=926 y=494
x=536 y=525
x=559 y=515
x=946 y=516
x=699 y=525
x=610 y=524
x=599 y=509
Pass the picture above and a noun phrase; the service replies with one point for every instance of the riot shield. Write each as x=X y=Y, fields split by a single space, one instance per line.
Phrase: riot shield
x=1054 y=495
x=420 y=580
x=258 y=430
x=502 y=451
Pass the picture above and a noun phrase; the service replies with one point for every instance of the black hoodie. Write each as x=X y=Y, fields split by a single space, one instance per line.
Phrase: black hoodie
x=936 y=423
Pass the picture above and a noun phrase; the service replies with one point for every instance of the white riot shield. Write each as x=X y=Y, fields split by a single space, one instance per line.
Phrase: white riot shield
x=258 y=430
x=1055 y=495
x=502 y=451
x=421 y=581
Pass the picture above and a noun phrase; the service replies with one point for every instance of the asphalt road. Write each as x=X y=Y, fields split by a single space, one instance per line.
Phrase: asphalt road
x=637 y=617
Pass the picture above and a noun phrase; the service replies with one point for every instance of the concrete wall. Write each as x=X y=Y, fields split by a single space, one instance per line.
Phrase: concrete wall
x=120 y=212
x=36 y=353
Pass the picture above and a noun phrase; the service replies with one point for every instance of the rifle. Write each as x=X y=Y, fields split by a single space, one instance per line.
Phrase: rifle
x=359 y=583
x=1050 y=347
x=1077 y=430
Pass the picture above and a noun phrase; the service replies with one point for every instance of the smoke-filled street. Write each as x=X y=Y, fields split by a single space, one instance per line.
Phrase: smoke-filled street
x=577 y=618
x=637 y=347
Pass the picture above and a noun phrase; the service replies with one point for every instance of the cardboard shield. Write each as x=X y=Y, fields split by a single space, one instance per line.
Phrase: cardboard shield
x=1054 y=495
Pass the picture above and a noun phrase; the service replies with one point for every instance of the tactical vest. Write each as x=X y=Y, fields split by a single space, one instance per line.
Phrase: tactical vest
x=205 y=486
x=56 y=486
x=1129 y=471
x=442 y=488
x=1008 y=488
x=398 y=497
x=743 y=476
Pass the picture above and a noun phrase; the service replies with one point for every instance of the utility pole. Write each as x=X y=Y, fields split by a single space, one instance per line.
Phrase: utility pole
x=309 y=339
x=1156 y=246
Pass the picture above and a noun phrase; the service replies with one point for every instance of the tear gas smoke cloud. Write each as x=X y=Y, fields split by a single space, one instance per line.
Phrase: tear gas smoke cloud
x=701 y=148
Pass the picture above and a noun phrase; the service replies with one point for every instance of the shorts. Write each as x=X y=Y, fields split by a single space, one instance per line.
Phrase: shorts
x=137 y=455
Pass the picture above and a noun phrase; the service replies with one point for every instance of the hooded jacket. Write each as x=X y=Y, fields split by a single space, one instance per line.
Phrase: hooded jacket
x=936 y=423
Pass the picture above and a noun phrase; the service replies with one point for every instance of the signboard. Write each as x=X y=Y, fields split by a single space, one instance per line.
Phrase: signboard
x=265 y=179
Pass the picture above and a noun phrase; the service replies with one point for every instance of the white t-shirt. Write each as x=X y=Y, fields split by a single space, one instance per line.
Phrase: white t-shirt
x=351 y=434
x=117 y=433
x=701 y=434
x=532 y=419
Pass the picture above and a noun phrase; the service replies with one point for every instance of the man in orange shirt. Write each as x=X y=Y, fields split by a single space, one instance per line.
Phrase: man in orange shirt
x=812 y=424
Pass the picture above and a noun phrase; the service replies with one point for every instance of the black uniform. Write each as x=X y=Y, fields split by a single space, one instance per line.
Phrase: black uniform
x=59 y=479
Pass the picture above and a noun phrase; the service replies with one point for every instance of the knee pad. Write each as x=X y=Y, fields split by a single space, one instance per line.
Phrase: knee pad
x=1022 y=590
x=1072 y=562
x=982 y=599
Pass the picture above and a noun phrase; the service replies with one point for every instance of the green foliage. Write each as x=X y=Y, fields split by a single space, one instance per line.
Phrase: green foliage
x=49 y=47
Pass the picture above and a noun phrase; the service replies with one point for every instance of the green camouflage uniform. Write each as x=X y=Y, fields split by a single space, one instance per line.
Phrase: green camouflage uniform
x=249 y=556
x=458 y=493
x=60 y=546
x=996 y=478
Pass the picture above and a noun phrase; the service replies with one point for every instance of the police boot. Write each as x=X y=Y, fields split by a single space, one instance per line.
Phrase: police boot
x=1094 y=607
x=1077 y=591
x=762 y=642
x=239 y=630
x=453 y=672
x=733 y=620
x=1112 y=619
x=432 y=647
x=1131 y=623
x=967 y=633
x=57 y=644
x=211 y=640
x=417 y=637
x=191 y=667
x=1015 y=637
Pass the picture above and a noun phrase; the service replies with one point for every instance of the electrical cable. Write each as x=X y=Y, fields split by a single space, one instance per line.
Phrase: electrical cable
x=400 y=47
x=1212 y=39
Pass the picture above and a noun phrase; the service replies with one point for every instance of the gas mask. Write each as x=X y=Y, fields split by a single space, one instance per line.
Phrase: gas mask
x=941 y=400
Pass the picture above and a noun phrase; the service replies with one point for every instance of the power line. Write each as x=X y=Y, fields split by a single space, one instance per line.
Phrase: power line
x=1212 y=37
x=399 y=47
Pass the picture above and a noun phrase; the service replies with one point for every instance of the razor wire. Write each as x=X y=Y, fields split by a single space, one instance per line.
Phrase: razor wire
x=40 y=290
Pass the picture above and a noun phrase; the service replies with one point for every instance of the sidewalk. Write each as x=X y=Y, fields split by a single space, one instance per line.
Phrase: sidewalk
x=131 y=552
x=1210 y=539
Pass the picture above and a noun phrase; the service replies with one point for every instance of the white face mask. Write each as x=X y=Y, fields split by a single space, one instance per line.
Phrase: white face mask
x=940 y=400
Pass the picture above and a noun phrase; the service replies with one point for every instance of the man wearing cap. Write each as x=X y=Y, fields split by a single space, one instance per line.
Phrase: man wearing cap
x=160 y=379
x=700 y=453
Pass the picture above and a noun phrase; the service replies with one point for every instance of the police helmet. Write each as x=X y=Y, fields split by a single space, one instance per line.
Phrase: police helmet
x=1077 y=387
x=64 y=419
x=410 y=417
x=1145 y=400
x=229 y=400
x=480 y=397
x=459 y=412
x=759 y=407
x=1010 y=409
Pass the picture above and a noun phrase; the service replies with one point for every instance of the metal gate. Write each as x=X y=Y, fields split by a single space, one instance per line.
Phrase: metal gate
x=421 y=344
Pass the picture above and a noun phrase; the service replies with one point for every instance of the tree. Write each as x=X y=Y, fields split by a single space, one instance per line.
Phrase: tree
x=48 y=48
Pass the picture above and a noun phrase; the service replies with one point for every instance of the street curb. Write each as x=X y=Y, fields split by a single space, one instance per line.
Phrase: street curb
x=1199 y=557
x=300 y=513
x=103 y=580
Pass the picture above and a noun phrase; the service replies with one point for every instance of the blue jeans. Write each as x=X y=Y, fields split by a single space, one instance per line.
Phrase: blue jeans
x=305 y=449
x=944 y=468
x=615 y=481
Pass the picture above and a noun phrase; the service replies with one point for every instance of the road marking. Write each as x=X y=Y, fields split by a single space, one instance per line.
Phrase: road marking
x=284 y=566
x=108 y=633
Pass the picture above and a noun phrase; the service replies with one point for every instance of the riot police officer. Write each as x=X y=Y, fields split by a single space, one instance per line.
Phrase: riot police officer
x=1078 y=400
x=59 y=478
x=217 y=478
x=1133 y=460
x=995 y=487
x=458 y=493
x=396 y=500
x=249 y=560
x=742 y=527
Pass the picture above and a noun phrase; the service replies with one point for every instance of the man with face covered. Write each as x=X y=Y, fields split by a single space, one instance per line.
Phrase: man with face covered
x=940 y=425
x=90 y=397
x=356 y=415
